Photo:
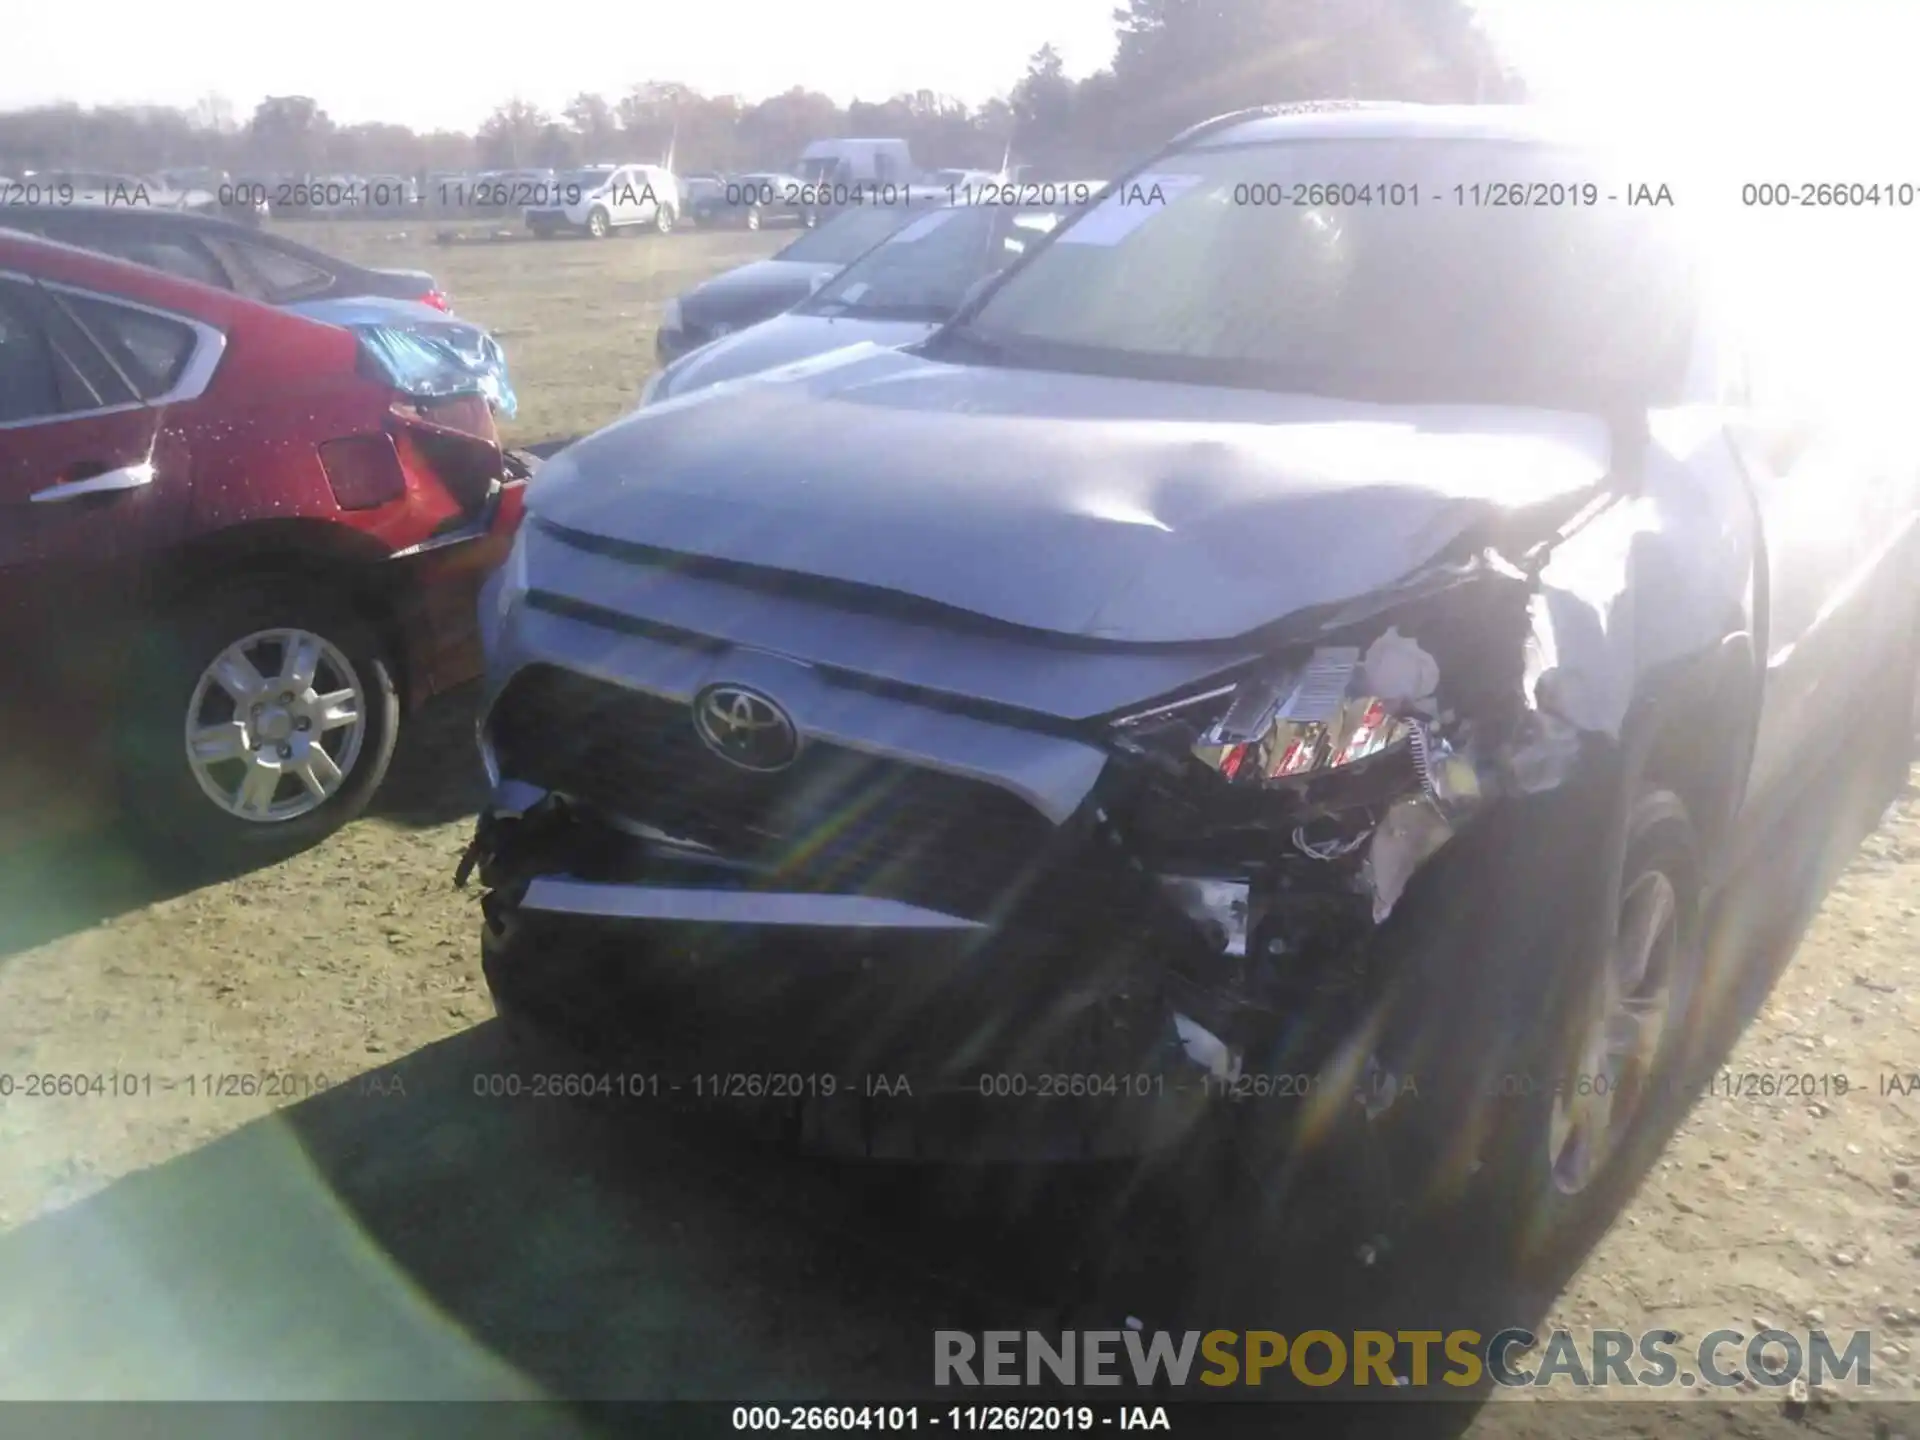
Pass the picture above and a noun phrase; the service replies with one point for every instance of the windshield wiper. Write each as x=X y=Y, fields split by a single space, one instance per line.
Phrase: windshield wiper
x=965 y=343
x=933 y=313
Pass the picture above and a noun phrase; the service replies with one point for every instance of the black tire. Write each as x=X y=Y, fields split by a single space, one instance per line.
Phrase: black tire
x=160 y=790
x=752 y=222
x=1544 y=1228
x=553 y=993
x=663 y=218
x=599 y=223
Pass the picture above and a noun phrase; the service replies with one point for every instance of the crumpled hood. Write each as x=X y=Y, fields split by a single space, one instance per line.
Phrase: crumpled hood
x=1118 y=509
x=779 y=341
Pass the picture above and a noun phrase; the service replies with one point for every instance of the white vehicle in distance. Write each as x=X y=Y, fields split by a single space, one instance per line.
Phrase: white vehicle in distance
x=853 y=163
x=603 y=198
x=963 y=180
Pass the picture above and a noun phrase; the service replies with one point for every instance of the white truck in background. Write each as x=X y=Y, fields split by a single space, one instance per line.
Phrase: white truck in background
x=857 y=162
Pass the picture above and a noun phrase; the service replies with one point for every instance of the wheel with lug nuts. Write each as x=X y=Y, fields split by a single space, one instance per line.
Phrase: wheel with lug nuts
x=260 y=716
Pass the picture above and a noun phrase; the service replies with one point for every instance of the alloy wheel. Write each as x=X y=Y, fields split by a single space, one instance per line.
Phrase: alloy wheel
x=1614 y=1062
x=275 y=725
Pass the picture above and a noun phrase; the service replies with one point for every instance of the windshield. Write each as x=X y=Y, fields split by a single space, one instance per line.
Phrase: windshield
x=1369 y=269
x=923 y=270
x=849 y=234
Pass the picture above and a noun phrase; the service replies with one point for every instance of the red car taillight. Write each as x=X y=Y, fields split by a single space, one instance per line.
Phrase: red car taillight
x=437 y=299
x=364 y=471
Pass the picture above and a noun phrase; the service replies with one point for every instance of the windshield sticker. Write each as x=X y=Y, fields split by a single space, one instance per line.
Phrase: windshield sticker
x=1131 y=205
x=923 y=227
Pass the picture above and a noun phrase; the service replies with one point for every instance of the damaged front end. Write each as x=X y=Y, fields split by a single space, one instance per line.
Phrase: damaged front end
x=1231 y=913
x=1285 y=815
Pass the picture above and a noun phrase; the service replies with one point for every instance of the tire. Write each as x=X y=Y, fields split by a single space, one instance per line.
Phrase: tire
x=599 y=223
x=663 y=218
x=170 y=688
x=810 y=219
x=752 y=221
x=551 y=993
x=1548 y=1205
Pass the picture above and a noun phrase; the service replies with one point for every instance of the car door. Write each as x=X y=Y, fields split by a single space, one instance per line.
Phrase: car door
x=91 y=485
x=1837 y=511
x=633 y=198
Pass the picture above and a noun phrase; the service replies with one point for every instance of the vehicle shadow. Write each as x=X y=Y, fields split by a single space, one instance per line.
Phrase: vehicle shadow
x=439 y=1229
x=71 y=881
x=91 y=868
x=436 y=776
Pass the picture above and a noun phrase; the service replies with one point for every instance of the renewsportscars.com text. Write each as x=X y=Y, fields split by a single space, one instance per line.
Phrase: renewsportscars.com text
x=1460 y=1359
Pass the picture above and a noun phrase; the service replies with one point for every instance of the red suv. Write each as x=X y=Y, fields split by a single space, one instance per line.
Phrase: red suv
x=234 y=546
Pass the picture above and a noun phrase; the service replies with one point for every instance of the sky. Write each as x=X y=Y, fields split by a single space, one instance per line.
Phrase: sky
x=471 y=57
x=1777 y=60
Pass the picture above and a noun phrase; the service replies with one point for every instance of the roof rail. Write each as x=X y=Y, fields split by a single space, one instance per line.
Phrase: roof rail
x=1283 y=107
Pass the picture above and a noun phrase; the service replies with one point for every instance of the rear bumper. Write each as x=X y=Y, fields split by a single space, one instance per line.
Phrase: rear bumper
x=440 y=604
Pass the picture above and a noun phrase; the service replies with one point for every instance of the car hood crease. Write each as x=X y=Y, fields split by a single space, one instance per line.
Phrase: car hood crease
x=1122 y=510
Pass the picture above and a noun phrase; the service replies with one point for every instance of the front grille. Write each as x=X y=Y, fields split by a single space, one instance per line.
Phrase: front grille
x=836 y=820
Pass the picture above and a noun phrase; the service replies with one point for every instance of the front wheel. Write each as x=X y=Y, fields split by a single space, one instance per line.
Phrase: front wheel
x=599 y=224
x=753 y=217
x=663 y=218
x=1615 y=1056
x=261 y=717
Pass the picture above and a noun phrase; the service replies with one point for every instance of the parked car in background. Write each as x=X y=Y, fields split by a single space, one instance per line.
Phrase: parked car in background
x=848 y=163
x=767 y=198
x=235 y=546
x=248 y=204
x=515 y=189
x=258 y=264
x=601 y=199
x=704 y=197
x=283 y=272
x=751 y=293
x=65 y=188
x=961 y=182
x=898 y=293
x=1358 y=645
x=388 y=194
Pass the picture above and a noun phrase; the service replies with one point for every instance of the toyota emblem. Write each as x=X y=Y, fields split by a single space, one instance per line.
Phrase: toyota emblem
x=745 y=728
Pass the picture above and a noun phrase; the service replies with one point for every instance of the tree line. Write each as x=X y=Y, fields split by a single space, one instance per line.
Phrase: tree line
x=1175 y=62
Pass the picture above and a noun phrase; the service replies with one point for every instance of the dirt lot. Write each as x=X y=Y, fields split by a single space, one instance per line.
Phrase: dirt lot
x=377 y=1228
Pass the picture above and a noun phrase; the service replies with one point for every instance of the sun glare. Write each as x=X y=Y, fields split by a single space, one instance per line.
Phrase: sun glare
x=1786 y=130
